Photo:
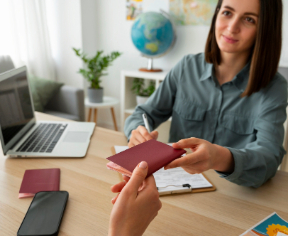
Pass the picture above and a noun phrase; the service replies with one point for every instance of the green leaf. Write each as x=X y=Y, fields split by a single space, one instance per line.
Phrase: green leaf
x=138 y=87
x=96 y=66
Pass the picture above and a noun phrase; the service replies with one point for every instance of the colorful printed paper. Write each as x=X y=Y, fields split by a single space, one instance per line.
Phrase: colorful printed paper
x=273 y=225
x=192 y=12
x=133 y=9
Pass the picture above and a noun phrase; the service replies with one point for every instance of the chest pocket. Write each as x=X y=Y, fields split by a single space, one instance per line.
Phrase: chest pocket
x=238 y=131
x=190 y=118
x=237 y=124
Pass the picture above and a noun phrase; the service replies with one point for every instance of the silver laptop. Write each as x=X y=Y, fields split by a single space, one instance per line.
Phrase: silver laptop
x=22 y=136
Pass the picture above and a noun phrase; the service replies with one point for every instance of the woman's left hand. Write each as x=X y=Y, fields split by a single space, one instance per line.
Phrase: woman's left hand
x=204 y=156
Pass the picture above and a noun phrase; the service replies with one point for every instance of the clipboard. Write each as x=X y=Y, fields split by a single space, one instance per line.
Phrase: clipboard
x=200 y=190
x=181 y=182
x=185 y=190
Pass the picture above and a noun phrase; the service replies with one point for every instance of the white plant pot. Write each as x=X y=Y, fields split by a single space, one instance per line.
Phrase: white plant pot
x=141 y=100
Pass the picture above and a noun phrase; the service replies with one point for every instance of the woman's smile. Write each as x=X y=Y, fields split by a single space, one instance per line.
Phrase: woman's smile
x=229 y=39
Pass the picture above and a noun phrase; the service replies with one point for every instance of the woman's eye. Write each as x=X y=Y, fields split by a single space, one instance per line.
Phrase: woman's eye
x=226 y=13
x=250 y=20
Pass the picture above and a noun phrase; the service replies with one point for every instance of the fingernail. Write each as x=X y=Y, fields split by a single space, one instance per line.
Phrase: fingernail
x=143 y=165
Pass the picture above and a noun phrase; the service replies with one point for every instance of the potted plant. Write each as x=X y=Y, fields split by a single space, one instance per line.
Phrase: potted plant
x=96 y=66
x=142 y=92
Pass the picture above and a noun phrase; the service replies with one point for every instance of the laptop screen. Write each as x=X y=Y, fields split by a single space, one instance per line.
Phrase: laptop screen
x=15 y=105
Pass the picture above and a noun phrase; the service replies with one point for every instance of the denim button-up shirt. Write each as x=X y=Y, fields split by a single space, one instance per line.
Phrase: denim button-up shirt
x=250 y=127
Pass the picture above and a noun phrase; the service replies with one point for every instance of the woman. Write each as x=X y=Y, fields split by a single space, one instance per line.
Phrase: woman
x=229 y=99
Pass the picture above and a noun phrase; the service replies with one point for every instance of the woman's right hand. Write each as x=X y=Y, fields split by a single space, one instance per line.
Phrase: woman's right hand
x=141 y=135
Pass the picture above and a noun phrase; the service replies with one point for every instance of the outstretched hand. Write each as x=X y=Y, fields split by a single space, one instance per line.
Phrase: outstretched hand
x=133 y=210
x=117 y=188
x=204 y=156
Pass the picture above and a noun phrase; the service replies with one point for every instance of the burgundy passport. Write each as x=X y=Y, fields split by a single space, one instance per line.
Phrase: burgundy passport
x=39 y=180
x=155 y=153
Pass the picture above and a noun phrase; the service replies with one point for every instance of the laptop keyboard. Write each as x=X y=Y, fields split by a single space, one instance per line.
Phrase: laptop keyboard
x=43 y=139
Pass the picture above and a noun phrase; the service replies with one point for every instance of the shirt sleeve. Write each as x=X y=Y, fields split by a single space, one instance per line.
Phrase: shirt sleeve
x=259 y=160
x=158 y=107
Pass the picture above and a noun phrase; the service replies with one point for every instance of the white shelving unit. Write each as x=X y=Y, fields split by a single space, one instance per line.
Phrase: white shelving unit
x=128 y=99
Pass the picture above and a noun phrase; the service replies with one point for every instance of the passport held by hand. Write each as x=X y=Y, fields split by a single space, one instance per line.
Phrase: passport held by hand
x=155 y=153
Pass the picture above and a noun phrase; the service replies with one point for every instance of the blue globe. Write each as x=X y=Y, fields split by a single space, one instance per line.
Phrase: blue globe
x=153 y=34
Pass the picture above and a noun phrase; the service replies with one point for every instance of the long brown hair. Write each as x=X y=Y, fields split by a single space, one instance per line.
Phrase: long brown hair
x=265 y=54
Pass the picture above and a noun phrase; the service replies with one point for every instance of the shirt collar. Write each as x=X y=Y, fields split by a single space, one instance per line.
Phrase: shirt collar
x=208 y=72
x=240 y=80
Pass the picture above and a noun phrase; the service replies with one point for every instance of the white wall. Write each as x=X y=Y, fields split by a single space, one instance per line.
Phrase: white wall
x=284 y=56
x=64 y=22
x=89 y=31
x=113 y=33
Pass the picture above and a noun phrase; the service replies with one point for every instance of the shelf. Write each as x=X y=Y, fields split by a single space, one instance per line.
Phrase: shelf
x=145 y=75
x=128 y=98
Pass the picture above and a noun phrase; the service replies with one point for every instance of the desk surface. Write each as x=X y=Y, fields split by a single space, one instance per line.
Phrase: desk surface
x=230 y=210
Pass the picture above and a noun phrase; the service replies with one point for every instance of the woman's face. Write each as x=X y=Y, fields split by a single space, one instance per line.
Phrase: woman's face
x=236 y=25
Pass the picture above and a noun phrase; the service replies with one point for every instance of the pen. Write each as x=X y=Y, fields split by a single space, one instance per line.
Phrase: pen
x=146 y=122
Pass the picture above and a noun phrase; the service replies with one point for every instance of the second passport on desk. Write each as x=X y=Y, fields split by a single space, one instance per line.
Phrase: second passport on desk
x=155 y=153
x=39 y=180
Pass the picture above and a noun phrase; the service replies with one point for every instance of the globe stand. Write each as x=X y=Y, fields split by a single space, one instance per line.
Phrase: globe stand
x=150 y=67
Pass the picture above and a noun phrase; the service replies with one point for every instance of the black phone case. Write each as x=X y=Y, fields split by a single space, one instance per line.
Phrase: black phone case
x=60 y=221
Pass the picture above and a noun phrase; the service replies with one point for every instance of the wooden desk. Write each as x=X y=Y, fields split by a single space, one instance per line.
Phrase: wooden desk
x=230 y=210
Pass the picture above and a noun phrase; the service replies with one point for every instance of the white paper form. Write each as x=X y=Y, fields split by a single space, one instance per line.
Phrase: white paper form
x=178 y=176
x=120 y=148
